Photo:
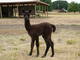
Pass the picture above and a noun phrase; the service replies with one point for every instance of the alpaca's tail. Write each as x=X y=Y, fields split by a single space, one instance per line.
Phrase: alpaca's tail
x=54 y=27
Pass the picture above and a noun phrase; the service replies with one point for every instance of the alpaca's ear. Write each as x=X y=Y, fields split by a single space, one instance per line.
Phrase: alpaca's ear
x=30 y=11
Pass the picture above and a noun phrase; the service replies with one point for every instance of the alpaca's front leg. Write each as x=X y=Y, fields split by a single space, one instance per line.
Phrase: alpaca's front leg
x=32 y=46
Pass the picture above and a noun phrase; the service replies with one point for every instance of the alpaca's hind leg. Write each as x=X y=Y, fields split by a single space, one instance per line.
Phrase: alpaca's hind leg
x=37 y=45
x=32 y=46
x=47 y=45
x=47 y=48
x=52 y=47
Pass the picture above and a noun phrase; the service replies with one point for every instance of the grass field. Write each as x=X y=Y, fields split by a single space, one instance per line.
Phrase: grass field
x=15 y=42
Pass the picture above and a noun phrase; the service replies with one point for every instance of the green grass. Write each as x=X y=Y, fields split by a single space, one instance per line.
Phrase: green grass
x=79 y=54
x=1 y=49
x=22 y=39
x=70 y=42
x=15 y=48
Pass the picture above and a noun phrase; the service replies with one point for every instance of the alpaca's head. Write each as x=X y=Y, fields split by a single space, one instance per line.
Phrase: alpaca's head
x=27 y=14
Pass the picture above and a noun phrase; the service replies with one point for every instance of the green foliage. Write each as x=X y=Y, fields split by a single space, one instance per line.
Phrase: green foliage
x=73 y=7
x=59 y=4
x=79 y=7
x=50 y=4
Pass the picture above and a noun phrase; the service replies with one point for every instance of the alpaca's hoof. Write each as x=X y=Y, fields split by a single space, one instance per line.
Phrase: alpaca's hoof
x=37 y=55
x=43 y=56
x=30 y=54
x=52 y=55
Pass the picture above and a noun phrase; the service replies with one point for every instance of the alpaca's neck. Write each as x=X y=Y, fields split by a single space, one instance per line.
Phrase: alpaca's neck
x=27 y=24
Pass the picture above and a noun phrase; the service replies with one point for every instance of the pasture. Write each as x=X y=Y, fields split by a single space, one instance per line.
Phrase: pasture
x=15 y=42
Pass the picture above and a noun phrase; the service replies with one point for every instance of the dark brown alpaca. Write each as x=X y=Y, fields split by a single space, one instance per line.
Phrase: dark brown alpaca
x=44 y=29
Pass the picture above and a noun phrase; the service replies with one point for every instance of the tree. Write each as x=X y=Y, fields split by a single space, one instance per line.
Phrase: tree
x=73 y=7
x=50 y=4
x=79 y=7
x=60 y=4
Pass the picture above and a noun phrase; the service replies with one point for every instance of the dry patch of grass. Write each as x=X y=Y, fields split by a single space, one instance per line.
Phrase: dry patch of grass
x=15 y=43
x=17 y=47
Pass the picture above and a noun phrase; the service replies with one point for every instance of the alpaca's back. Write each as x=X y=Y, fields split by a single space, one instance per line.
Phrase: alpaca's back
x=39 y=29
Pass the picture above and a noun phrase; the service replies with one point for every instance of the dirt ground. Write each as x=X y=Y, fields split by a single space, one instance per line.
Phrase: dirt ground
x=15 y=42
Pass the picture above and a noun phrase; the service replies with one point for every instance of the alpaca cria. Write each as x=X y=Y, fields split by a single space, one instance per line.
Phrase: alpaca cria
x=34 y=31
